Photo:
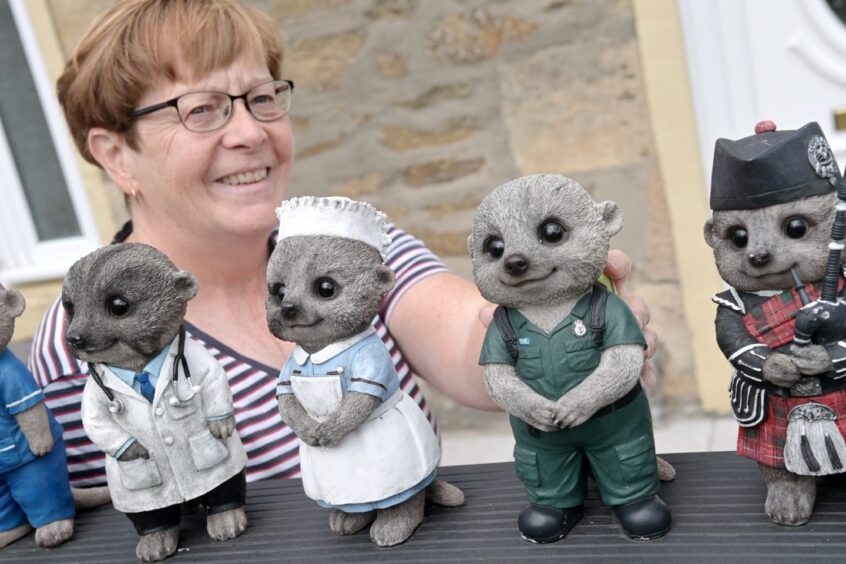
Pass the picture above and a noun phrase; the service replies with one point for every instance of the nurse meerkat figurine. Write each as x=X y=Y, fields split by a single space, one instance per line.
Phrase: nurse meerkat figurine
x=368 y=451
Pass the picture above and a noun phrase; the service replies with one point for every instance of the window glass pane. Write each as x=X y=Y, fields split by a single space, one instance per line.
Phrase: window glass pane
x=29 y=139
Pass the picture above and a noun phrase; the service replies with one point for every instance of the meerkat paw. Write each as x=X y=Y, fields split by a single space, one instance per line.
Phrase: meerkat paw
x=790 y=498
x=226 y=525
x=395 y=524
x=666 y=472
x=444 y=493
x=342 y=523
x=54 y=534
x=158 y=545
x=10 y=536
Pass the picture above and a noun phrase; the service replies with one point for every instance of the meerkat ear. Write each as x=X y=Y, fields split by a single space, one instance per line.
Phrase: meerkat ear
x=708 y=230
x=185 y=284
x=13 y=301
x=612 y=215
x=386 y=278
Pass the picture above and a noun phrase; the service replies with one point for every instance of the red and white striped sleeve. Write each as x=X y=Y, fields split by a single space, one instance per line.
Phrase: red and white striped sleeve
x=62 y=378
x=411 y=262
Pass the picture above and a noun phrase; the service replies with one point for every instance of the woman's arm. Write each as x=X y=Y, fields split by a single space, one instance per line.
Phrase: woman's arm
x=440 y=323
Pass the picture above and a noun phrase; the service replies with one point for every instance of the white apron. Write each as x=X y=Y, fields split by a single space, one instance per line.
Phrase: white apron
x=387 y=454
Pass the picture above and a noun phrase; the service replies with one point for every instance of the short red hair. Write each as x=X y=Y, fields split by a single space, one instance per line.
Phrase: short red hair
x=140 y=43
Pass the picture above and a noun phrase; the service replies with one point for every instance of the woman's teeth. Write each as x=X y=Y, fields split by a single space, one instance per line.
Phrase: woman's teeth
x=245 y=177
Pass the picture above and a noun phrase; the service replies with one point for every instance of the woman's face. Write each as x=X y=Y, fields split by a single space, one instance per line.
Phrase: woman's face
x=224 y=182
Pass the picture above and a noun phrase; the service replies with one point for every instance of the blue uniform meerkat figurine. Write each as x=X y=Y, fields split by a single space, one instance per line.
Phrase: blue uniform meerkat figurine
x=367 y=451
x=34 y=490
x=156 y=402
x=774 y=202
x=563 y=357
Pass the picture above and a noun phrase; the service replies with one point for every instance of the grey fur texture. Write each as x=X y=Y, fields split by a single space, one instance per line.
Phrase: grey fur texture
x=156 y=294
x=790 y=498
x=124 y=304
x=556 y=274
x=765 y=227
x=552 y=278
x=295 y=312
x=34 y=425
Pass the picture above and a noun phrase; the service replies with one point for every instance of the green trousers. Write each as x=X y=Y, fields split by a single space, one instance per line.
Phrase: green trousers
x=619 y=448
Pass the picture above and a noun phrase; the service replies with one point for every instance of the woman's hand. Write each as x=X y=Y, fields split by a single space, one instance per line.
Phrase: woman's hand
x=618 y=268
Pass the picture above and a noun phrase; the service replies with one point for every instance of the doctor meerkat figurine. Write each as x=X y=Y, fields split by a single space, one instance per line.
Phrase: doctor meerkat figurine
x=367 y=451
x=156 y=402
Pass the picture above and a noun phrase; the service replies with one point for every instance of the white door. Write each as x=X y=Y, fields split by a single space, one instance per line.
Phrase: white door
x=750 y=60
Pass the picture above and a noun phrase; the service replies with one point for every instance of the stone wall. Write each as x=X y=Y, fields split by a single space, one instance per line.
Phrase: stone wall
x=421 y=108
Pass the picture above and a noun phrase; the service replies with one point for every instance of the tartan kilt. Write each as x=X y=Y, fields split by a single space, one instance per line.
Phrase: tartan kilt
x=765 y=441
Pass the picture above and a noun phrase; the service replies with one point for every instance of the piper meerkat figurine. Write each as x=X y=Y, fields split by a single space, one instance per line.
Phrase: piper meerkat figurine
x=781 y=323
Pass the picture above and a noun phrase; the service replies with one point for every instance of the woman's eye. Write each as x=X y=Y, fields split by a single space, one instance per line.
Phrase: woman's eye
x=198 y=110
x=118 y=306
x=325 y=288
x=795 y=228
x=552 y=232
x=738 y=236
x=493 y=246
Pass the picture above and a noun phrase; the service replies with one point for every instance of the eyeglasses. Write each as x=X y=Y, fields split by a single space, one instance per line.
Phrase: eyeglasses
x=202 y=112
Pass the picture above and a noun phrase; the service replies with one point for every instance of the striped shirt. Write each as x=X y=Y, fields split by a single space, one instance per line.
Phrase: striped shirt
x=272 y=448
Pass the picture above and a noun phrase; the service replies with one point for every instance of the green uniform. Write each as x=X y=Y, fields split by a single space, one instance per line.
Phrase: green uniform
x=619 y=445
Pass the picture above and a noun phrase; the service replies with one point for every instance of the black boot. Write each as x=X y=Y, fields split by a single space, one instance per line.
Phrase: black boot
x=542 y=524
x=644 y=519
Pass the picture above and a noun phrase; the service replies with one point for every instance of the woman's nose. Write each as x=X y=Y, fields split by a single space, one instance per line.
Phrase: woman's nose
x=243 y=129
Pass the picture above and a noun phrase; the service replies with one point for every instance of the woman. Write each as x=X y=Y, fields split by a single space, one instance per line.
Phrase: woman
x=205 y=195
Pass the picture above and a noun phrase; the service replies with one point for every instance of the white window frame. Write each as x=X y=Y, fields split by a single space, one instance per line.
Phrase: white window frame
x=23 y=258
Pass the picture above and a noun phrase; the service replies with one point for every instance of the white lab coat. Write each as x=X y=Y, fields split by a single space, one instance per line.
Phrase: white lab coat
x=186 y=460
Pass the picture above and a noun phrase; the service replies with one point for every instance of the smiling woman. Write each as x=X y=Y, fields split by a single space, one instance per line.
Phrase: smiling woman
x=206 y=194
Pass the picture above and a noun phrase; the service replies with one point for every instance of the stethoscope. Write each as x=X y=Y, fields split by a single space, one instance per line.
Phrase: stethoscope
x=117 y=406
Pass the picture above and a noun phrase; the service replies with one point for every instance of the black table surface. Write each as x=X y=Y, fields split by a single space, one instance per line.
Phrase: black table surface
x=717 y=502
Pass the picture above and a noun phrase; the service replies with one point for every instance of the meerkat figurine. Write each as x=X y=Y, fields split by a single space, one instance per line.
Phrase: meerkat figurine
x=34 y=489
x=367 y=451
x=156 y=402
x=563 y=357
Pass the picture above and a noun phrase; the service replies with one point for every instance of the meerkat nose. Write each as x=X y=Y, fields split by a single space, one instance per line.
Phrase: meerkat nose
x=75 y=341
x=289 y=310
x=516 y=265
x=759 y=259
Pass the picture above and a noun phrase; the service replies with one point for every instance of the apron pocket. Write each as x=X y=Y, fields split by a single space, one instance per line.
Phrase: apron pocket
x=526 y=465
x=637 y=458
x=207 y=451
x=139 y=474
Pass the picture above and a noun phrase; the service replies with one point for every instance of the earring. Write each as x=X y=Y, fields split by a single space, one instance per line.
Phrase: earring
x=133 y=193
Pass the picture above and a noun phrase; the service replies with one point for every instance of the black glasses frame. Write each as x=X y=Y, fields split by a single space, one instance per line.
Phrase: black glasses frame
x=174 y=103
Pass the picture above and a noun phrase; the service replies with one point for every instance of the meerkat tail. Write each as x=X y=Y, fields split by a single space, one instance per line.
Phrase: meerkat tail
x=85 y=498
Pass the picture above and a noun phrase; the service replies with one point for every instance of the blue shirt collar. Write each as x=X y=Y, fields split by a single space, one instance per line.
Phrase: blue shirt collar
x=153 y=368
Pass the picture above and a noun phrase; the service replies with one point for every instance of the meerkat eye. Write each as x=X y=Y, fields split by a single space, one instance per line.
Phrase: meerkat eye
x=738 y=236
x=795 y=227
x=551 y=232
x=278 y=291
x=325 y=287
x=68 y=305
x=117 y=306
x=493 y=246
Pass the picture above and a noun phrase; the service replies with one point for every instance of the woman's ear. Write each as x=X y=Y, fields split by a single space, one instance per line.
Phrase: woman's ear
x=111 y=150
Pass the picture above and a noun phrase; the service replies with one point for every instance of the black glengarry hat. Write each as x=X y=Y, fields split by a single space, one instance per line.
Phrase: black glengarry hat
x=772 y=167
